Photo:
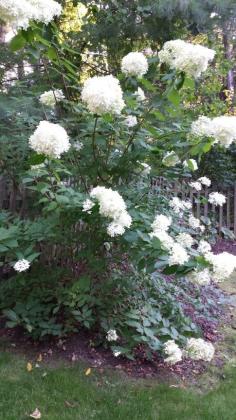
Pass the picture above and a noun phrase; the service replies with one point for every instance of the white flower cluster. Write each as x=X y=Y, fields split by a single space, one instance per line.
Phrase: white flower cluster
x=202 y=127
x=199 y=349
x=170 y=159
x=179 y=206
x=103 y=94
x=161 y=222
x=204 y=247
x=194 y=222
x=134 y=64
x=190 y=164
x=112 y=335
x=21 y=265
x=184 y=56
x=140 y=95
x=131 y=121
x=173 y=352
x=217 y=199
x=160 y=227
x=178 y=255
x=196 y=349
x=195 y=185
x=50 y=139
x=222 y=129
x=185 y=239
x=19 y=13
x=223 y=265
x=205 y=181
x=202 y=278
x=50 y=97
x=111 y=205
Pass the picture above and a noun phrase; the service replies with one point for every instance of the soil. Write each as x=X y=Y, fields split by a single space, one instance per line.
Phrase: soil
x=80 y=346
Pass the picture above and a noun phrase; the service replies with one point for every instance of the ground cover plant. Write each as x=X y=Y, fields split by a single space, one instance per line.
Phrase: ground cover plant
x=93 y=246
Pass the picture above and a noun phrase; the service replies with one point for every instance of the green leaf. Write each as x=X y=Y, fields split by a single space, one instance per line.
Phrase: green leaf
x=174 y=97
x=17 y=42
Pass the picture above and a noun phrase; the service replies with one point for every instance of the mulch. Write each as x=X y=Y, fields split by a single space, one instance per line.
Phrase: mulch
x=81 y=347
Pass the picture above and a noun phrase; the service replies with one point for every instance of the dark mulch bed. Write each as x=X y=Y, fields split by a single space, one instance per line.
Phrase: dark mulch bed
x=80 y=346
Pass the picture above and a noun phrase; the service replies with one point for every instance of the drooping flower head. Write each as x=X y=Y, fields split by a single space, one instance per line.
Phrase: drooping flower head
x=222 y=129
x=49 y=139
x=186 y=57
x=223 y=265
x=50 y=97
x=134 y=64
x=202 y=278
x=103 y=94
x=112 y=205
x=172 y=350
x=199 y=349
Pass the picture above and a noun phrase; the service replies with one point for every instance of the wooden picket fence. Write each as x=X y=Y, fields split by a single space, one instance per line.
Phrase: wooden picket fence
x=14 y=199
x=224 y=216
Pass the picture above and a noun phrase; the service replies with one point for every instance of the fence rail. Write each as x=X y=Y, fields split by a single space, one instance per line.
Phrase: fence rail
x=224 y=216
x=15 y=200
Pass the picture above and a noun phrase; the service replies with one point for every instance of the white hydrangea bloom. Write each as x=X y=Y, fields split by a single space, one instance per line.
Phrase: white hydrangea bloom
x=190 y=58
x=173 y=352
x=203 y=278
x=195 y=185
x=146 y=169
x=161 y=222
x=179 y=206
x=140 y=95
x=202 y=127
x=112 y=205
x=115 y=229
x=185 y=239
x=116 y=353
x=134 y=64
x=190 y=164
x=204 y=247
x=131 y=121
x=199 y=349
x=194 y=222
x=103 y=94
x=88 y=205
x=217 y=199
x=49 y=139
x=222 y=129
x=112 y=335
x=50 y=97
x=165 y=239
x=19 y=13
x=205 y=181
x=170 y=159
x=21 y=265
x=178 y=255
x=223 y=265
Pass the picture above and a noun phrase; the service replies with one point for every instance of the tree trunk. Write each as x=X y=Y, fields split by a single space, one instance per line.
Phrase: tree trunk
x=229 y=54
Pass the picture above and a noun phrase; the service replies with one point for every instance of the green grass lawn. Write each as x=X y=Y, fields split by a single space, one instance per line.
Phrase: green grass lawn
x=66 y=393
